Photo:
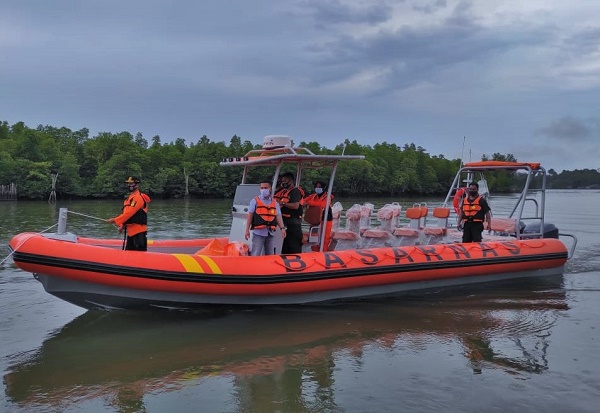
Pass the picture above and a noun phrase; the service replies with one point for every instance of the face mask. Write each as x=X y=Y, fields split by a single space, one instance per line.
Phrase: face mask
x=285 y=184
x=265 y=193
x=131 y=187
x=318 y=191
x=473 y=192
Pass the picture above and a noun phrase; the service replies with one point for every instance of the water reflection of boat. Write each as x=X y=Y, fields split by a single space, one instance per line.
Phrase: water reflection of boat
x=121 y=357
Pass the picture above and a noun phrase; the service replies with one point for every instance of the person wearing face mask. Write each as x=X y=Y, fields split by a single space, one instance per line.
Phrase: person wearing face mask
x=264 y=217
x=289 y=197
x=474 y=212
x=134 y=218
x=314 y=214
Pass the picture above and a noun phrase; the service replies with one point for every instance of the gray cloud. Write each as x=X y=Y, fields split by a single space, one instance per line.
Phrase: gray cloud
x=334 y=12
x=412 y=54
x=583 y=42
x=572 y=130
x=430 y=7
x=423 y=71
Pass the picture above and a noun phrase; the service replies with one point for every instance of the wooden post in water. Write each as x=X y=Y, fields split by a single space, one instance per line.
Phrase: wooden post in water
x=187 y=180
x=52 y=197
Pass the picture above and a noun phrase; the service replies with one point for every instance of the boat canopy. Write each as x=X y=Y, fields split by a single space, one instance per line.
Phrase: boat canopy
x=304 y=157
x=502 y=164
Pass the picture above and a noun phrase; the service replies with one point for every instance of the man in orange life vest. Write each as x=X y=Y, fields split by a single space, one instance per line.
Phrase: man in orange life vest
x=264 y=217
x=134 y=218
x=289 y=197
x=317 y=201
x=474 y=211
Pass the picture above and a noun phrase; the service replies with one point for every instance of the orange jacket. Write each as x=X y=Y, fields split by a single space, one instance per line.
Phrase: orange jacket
x=136 y=201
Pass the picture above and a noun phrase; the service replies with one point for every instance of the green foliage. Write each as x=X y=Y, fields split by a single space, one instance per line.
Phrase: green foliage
x=579 y=178
x=68 y=183
x=95 y=167
x=37 y=178
x=169 y=182
x=8 y=169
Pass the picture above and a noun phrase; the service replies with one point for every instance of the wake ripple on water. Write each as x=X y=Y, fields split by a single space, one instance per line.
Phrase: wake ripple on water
x=585 y=259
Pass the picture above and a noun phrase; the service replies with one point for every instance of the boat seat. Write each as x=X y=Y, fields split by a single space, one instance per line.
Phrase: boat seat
x=388 y=217
x=348 y=238
x=441 y=214
x=374 y=238
x=396 y=210
x=501 y=229
x=414 y=216
x=336 y=215
x=504 y=226
x=366 y=210
x=412 y=233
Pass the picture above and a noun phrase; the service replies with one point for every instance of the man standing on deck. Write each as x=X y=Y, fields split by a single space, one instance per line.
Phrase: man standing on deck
x=474 y=212
x=264 y=217
x=289 y=197
x=134 y=218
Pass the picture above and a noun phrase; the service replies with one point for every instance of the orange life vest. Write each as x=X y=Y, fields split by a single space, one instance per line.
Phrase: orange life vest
x=472 y=210
x=264 y=215
x=135 y=213
x=314 y=214
x=141 y=215
x=283 y=197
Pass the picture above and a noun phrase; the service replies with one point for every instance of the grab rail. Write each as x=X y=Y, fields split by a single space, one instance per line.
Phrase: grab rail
x=572 y=250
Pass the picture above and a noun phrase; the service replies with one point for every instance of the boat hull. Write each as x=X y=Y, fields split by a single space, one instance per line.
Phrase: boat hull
x=97 y=275
x=94 y=296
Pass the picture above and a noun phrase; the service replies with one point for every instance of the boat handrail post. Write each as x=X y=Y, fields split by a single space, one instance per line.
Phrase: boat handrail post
x=325 y=217
x=62 y=220
x=542 y=212
x=517 y=211
x=245 y=174
x=455 y=185
x=573 y=244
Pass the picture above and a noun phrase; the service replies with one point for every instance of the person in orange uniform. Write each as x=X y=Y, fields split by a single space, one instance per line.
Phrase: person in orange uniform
x=134 y=218
x=317 y=201
x=474 y=212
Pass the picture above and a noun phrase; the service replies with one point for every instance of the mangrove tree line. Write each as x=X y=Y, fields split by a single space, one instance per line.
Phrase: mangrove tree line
x=95 y=167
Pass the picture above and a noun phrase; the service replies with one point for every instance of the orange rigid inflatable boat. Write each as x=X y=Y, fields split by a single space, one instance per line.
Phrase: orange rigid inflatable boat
x=360 y=263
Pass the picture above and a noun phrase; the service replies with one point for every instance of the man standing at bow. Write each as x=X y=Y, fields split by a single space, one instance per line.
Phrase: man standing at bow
x=134 y=218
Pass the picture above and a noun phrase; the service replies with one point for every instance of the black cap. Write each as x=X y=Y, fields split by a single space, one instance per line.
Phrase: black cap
x=132 y=180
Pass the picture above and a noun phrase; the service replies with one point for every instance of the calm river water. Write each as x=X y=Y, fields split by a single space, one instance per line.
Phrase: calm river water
x=529 y=347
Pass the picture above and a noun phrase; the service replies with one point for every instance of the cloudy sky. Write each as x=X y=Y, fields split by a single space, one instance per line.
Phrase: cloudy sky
x=506 y=76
